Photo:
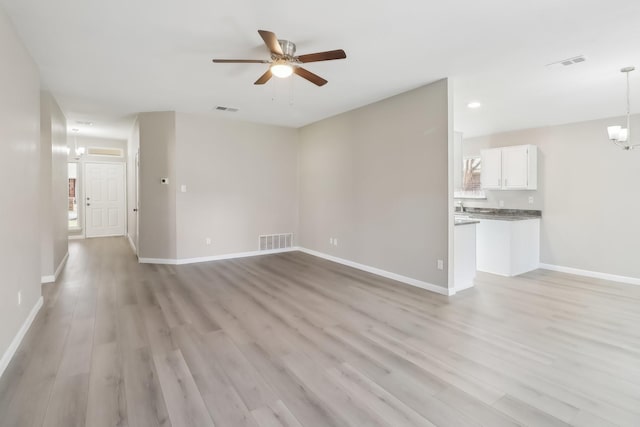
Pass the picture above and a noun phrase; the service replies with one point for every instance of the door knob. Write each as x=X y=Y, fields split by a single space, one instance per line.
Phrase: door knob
x=135 y=210
x=88 y=204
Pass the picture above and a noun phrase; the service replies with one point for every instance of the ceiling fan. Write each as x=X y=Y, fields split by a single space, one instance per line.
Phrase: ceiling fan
x=284 y=62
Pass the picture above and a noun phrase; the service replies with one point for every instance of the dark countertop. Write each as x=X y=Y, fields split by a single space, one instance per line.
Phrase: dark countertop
x=498 y=214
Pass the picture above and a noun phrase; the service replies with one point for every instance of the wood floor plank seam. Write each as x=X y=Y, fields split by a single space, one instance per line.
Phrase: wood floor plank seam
x=294 y=340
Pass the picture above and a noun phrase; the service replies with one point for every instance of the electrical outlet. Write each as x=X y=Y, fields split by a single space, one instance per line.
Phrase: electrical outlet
x=207 y=240
x=530 y=200
x=502 y=203
x=440 y=264
x=335 y=241
x=19 y=297
x=183 y=188
x=331 y=241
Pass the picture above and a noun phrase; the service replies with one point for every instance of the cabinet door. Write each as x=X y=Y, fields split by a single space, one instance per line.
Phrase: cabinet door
x=515 y=167
x=491 y=175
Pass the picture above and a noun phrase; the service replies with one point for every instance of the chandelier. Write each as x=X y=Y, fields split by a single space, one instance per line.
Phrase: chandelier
x=617 y=134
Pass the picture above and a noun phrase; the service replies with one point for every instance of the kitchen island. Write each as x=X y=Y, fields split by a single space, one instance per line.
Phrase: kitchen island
x=464 y=247
x=507 y=240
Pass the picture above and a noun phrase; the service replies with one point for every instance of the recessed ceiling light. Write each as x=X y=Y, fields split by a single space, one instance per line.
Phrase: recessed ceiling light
x=474 y=104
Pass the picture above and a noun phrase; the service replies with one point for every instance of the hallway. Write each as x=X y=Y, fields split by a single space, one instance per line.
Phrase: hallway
x=294 y=340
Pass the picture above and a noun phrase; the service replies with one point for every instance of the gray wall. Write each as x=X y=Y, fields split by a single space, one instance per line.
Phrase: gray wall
x=241 y=182
x=587 y=191
x=157 y=233
x=46 y=185
x=377 y=179
x=54 y=186
x=19 y=163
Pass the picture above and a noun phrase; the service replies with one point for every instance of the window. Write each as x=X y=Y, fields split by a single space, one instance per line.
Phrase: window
x=471 y=179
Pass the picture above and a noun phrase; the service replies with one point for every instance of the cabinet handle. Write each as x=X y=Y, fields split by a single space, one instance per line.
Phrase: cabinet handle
x=505 y=182
x=498 y=182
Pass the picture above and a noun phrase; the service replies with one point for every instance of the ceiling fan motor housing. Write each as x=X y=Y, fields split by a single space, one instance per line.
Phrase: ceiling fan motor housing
x=288 y=48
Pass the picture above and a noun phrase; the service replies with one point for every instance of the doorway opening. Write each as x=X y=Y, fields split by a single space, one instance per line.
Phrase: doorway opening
x=73 y=209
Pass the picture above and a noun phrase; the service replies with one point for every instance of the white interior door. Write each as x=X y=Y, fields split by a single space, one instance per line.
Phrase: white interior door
x=104 y=199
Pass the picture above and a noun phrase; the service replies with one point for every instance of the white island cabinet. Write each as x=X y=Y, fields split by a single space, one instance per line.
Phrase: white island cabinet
x=508 y=247
x=510 y=168
x=464 y=261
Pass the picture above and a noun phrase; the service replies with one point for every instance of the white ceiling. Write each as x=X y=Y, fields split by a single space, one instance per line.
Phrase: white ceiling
x=106 y=60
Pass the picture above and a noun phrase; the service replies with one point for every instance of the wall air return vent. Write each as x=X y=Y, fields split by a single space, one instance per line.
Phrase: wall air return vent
x=269 y=242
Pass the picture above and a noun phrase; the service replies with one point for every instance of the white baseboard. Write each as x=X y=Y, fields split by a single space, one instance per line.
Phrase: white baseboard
x=133 y=246
x=377 y=271
x=464 y=287
x=183 y=261
x=76 y=236
x=594 y=274
x=51 y=279
x=13 y=347
x=389 y=275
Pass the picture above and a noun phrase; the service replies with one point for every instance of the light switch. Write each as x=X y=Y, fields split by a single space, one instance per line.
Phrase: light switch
x=183 y=188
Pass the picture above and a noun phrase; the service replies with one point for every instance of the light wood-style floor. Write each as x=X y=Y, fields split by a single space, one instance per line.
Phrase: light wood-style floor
x=293 y=340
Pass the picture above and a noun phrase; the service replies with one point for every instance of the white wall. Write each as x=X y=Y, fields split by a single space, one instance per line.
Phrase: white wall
x=376 y=178
x=54 y=186
x=20 y=194
x=241 y=182
x=588 y=193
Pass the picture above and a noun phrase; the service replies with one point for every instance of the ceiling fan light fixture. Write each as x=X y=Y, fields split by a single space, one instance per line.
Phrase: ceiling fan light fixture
x=282 y=70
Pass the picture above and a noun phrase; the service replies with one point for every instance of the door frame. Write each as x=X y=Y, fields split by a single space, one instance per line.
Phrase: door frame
x=79 y=197
x=84 y=194
x=136 y=167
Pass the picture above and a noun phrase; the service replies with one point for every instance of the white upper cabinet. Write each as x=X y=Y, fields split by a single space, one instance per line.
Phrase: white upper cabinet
x=491 y=172
x=510 y=168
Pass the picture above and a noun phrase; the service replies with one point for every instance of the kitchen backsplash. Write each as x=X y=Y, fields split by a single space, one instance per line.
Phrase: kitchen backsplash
x=511 y=200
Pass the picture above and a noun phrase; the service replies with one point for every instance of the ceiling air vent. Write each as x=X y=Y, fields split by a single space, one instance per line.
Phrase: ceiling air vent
x=227 y=109
x=569 y=61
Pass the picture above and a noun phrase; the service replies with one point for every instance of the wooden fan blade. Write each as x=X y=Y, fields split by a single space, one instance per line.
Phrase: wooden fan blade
x=313 y=78
x=322 y=56
x=271 y=40
x=241 y=61
x=264 y=78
